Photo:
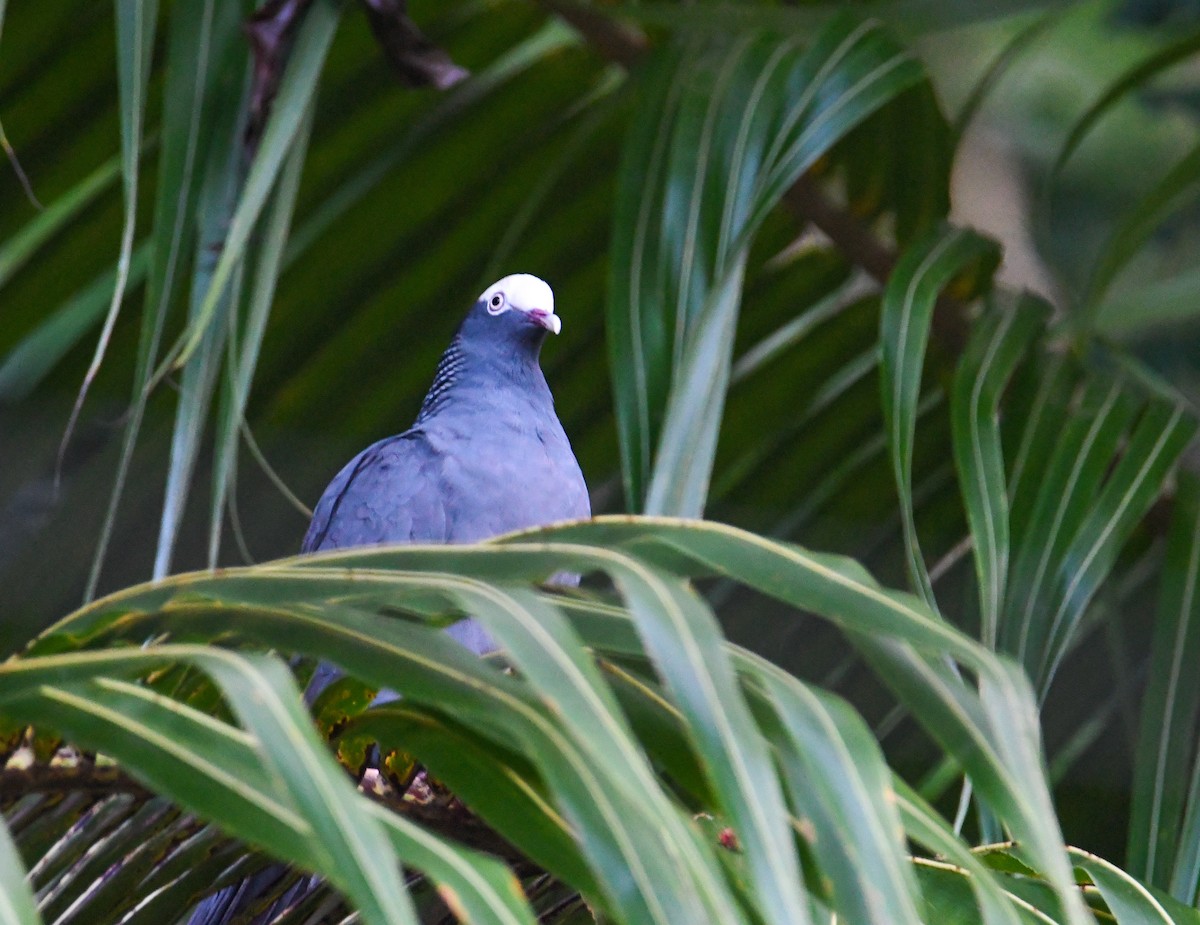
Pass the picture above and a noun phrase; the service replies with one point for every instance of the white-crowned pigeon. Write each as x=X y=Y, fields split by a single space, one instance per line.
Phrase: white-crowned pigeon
x=486 y=455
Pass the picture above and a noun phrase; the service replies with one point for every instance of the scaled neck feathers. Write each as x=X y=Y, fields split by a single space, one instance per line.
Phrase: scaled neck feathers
x=449 y=372
x=497 y=373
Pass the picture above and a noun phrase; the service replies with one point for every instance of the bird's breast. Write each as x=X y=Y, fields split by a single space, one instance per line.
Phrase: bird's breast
x=497 y=479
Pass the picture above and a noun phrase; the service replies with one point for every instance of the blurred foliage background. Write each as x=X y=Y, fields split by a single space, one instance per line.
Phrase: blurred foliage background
x=1069 y=132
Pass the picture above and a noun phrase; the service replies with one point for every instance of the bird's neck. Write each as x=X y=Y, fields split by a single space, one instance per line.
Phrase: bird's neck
x=512 y=376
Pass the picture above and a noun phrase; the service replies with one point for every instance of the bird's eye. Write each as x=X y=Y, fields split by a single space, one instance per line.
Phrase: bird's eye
x=496 y=303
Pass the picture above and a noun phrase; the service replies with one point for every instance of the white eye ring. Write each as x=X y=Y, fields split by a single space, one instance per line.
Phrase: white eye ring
x=496 y=304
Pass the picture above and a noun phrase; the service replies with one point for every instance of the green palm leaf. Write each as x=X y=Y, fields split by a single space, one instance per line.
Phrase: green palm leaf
x=905 y=319
x=884 y=625
x=701 y=170
x=769 y=252
x=999 y=344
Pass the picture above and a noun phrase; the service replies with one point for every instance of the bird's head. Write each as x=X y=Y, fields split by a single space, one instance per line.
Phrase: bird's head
x=522 y=300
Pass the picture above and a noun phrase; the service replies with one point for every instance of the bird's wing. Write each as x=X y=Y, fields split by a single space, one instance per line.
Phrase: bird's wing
x=388 y=493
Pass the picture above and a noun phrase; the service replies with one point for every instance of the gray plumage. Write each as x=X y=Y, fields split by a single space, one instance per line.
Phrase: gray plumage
x=486 y=455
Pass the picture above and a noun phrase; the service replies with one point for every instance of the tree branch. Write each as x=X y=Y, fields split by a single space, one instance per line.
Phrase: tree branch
x=102 y=781
x=616 y=41
x=424 y=802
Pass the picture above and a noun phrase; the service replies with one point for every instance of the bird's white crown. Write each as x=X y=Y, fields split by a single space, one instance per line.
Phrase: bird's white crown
x=525 y=293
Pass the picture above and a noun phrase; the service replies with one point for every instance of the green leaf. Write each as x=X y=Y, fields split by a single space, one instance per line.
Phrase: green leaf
x=683 y=464
x=173 y=746
x=337 y=835
x=1178 y=188
x=592 y=114
x=1039 y=423
x=29 y=362
x=206 y=57
x=17 y=250
x=1011 y=777
x=991 y=732
x=927 y=828
x=17 y=905
x=245 y=340
x=909 y=183
x=543 y=646
x=1008 y=54
x=480 y=885
x=1154 y=304
x=1166 y=748
x=1185 y=879
x=909 y=300
x=910 y=17
x=947 y=892
x=989 y=736
x=1159 y=60
x=207 y=50
x=657 y=722
x=837 y=777
x=1164 y=431
x=476 y=887
x=1083 y=450
x=493 y=782
x=997 y=345
x=136 y=23
x=701 y=171
x=683 y=639
x=214 y=208
x=1128 y=900
x=297 y=88
x=621 y=817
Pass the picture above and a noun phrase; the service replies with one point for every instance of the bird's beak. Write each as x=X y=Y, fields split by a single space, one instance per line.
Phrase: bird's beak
x=548 y=320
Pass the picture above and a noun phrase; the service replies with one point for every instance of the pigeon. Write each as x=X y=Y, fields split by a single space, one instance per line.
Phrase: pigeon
x=486 y=455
